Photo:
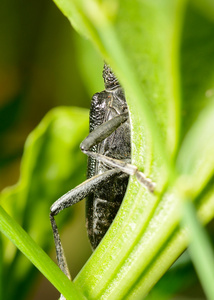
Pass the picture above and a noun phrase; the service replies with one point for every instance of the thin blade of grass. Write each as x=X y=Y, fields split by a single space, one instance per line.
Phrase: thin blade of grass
x=38 y=257
x=200 y=249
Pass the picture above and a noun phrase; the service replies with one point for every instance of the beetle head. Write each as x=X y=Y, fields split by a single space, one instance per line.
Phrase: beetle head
x=110 y=80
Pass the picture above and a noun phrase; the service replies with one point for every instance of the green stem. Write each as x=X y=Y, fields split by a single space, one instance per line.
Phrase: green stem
x=38 y=257
x=200 y=249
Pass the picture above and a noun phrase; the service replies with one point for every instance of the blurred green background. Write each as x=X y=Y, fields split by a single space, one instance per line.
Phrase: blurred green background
x=41 y=66
x=44 y=64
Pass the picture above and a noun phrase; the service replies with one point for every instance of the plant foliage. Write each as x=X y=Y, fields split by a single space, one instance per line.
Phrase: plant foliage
x=163 y=55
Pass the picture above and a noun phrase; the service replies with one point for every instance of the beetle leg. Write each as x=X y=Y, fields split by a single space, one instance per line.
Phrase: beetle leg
x=73 y=196
x=98 y=135
x=125 y=167
x=103 y=131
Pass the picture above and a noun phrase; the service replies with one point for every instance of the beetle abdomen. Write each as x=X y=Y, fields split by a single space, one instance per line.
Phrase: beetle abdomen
x=102 y=207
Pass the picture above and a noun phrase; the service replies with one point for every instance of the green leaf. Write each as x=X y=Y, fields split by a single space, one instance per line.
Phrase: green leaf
x=196 y=63
x=200 y=249
x=195 y=160
x=154 y=49
x=36 y=255
x=145 y=42
x=52 y=164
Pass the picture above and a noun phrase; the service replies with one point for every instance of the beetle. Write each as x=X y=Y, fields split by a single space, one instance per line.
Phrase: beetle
x=108 y=147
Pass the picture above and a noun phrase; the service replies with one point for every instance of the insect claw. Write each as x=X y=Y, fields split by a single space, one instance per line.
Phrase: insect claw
x=147 y=182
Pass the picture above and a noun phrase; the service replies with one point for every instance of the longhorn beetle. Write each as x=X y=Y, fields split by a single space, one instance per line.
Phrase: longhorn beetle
x=108 y=147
